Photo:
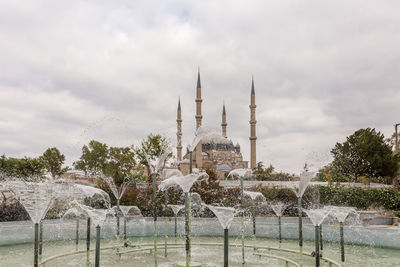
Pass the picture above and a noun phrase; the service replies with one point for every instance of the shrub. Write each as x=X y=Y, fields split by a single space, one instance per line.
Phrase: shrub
x=361 y=198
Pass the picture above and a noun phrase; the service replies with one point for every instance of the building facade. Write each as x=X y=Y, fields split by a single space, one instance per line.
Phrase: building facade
x=215 y=151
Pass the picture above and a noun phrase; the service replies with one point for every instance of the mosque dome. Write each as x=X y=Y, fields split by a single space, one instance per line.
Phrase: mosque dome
x=215 y=138
x=224 y=168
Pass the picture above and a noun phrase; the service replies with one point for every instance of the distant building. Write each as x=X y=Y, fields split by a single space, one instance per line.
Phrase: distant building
x=216 y=151
x=79 y=177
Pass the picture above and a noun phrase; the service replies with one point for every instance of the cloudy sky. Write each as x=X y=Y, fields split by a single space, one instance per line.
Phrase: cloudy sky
x=72 y=71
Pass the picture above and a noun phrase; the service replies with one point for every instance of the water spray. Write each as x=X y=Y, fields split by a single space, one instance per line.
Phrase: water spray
x=225 y=217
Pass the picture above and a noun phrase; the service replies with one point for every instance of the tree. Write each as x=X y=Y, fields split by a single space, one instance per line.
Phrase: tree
x=330 y=174
x=269 y=174
x=153 y=146
x=24 y=167
x=93 y=159
x=365 y=153
x=263 y=173
x=121 y=165
x=53 y=161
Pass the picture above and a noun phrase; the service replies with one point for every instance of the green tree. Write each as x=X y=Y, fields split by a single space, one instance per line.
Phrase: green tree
x=365 y=153
x=93 y=159
x=53 y=161
x=24 y=167
x=330 y=174
x=269 y=174
x=262 y=173
x=153 y=146
x=121 y=165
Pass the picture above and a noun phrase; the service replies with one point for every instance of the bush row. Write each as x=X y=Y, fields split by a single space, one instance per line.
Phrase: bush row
x=212 y=193
x=358 y=197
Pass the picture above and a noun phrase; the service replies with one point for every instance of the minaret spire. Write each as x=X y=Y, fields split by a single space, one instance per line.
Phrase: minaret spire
x=224 y=124
x=199 y=116
x=198 y=100
x=179 y=132
x=253 y=122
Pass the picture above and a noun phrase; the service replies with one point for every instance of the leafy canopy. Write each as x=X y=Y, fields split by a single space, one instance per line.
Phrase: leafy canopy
x=93 y=159
x=153 y=146
x=365 y=153
x=24 y=167
x=53 y=160
x=269 y=174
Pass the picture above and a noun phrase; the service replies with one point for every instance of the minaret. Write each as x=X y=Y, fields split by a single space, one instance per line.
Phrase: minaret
x=179 y=132
x=253 y=122
x=224 y=124
x=198 y=101
x=199 y=150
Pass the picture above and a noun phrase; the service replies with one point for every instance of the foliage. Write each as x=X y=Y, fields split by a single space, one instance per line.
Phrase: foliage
x=152 y=147
x=57 y=209
x=268 y=174
x=331 y=175
x=53 y=160
x=396 y=183
x=209 y=191
x=365 y=153
x=24 y=167
x=361 y=198
x=93 y=158
x=358 y=197
x=12 y=210
x=121 y=165
x=396 y=213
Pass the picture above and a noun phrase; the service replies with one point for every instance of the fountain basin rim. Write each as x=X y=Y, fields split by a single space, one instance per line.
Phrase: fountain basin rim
x=191 y=264
x=150 y=246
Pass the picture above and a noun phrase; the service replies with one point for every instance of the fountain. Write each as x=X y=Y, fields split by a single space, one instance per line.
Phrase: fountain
x=185 y=182
x=225 y=216
x=89 y=193
x=98 y=217
x=341 y=213
x=241 y=173
x=74 y=214
x=36 y=198
x=129 y=211
x=317 y=216
x=279 y=208
x=176 y=209
x=305 y=178
x=118 y=192
x=167 y=173
x=109 y=257
x=252 y=200
x=201 y=132
x=156 y=166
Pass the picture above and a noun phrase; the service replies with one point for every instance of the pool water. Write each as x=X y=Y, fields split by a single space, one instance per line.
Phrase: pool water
x=22 y=255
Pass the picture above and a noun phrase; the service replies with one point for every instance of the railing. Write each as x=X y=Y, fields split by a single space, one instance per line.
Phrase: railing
x=286 y=260
x=150 y=246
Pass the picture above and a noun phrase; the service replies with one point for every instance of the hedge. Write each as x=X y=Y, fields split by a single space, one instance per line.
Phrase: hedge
x=212 y=193
x=361 y=198
x=358 y=197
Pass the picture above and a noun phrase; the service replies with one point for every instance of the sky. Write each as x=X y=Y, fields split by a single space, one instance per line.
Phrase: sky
x=73 y=71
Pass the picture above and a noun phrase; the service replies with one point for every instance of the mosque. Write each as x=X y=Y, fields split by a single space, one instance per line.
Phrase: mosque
x=216 y=151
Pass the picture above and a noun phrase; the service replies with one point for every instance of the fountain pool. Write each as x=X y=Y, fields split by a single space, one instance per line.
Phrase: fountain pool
x=209 y=253
x=207 y=244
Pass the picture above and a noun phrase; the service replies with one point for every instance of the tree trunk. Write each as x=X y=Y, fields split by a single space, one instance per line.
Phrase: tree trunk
x=149 y=175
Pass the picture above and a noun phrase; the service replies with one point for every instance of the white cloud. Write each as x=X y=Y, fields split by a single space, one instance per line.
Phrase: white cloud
x=113 y=70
